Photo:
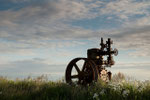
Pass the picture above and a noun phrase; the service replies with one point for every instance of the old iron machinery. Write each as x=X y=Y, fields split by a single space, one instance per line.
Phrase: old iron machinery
x=86 y=70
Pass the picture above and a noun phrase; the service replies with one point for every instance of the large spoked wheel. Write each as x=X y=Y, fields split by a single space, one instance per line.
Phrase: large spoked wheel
x=81 y=71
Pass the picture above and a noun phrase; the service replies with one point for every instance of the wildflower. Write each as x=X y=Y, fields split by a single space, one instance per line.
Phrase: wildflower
x=76 y=84
x=136 y=84
x=140 y=88
x=125 y=93
x=123 y=81
x=95 y=96
x=116 y=86
x=102 y=92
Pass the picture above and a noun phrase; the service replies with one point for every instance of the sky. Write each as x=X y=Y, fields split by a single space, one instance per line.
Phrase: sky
x=42 y=36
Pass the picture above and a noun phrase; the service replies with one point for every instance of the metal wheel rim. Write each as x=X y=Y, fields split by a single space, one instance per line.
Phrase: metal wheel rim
x=81 y=78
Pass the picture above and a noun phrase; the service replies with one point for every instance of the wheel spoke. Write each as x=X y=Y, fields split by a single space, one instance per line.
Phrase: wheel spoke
x=84 y=66
x=90 y=73
x=77 y=68
x=74 y=76
x=79 y=82
x=86 y=74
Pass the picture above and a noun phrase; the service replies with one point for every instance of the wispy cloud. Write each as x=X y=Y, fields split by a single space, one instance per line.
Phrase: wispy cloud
x=125 y=9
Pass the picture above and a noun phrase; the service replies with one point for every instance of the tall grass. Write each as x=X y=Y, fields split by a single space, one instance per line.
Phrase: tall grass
x=120 y=88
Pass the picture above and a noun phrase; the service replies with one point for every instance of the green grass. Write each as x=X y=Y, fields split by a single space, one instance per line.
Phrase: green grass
x=120 y=88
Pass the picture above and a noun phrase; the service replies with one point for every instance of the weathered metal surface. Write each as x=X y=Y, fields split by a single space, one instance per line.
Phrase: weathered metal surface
x=94 y=66
x=87 y=73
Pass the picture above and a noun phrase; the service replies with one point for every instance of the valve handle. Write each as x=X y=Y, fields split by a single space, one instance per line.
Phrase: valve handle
x=115 y=52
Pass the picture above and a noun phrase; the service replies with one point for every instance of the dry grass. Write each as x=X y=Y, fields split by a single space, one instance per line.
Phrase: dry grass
x=120 y=88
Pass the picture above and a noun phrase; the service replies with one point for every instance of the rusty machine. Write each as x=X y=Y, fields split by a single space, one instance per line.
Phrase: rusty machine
x=86 y=70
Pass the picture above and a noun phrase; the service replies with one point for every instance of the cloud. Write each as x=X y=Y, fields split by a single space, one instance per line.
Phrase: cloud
x=37 y=23
x=137 y=73
x=51 y=10
x=133 y=38
x=124 y=9
x=28 y=65
x=33 y=67
x=38 y=66
x=36 y=36
x=48 y=19
x=139 y=22
x=133 y=64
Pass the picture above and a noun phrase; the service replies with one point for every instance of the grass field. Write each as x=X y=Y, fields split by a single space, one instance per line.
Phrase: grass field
x=120 y=88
